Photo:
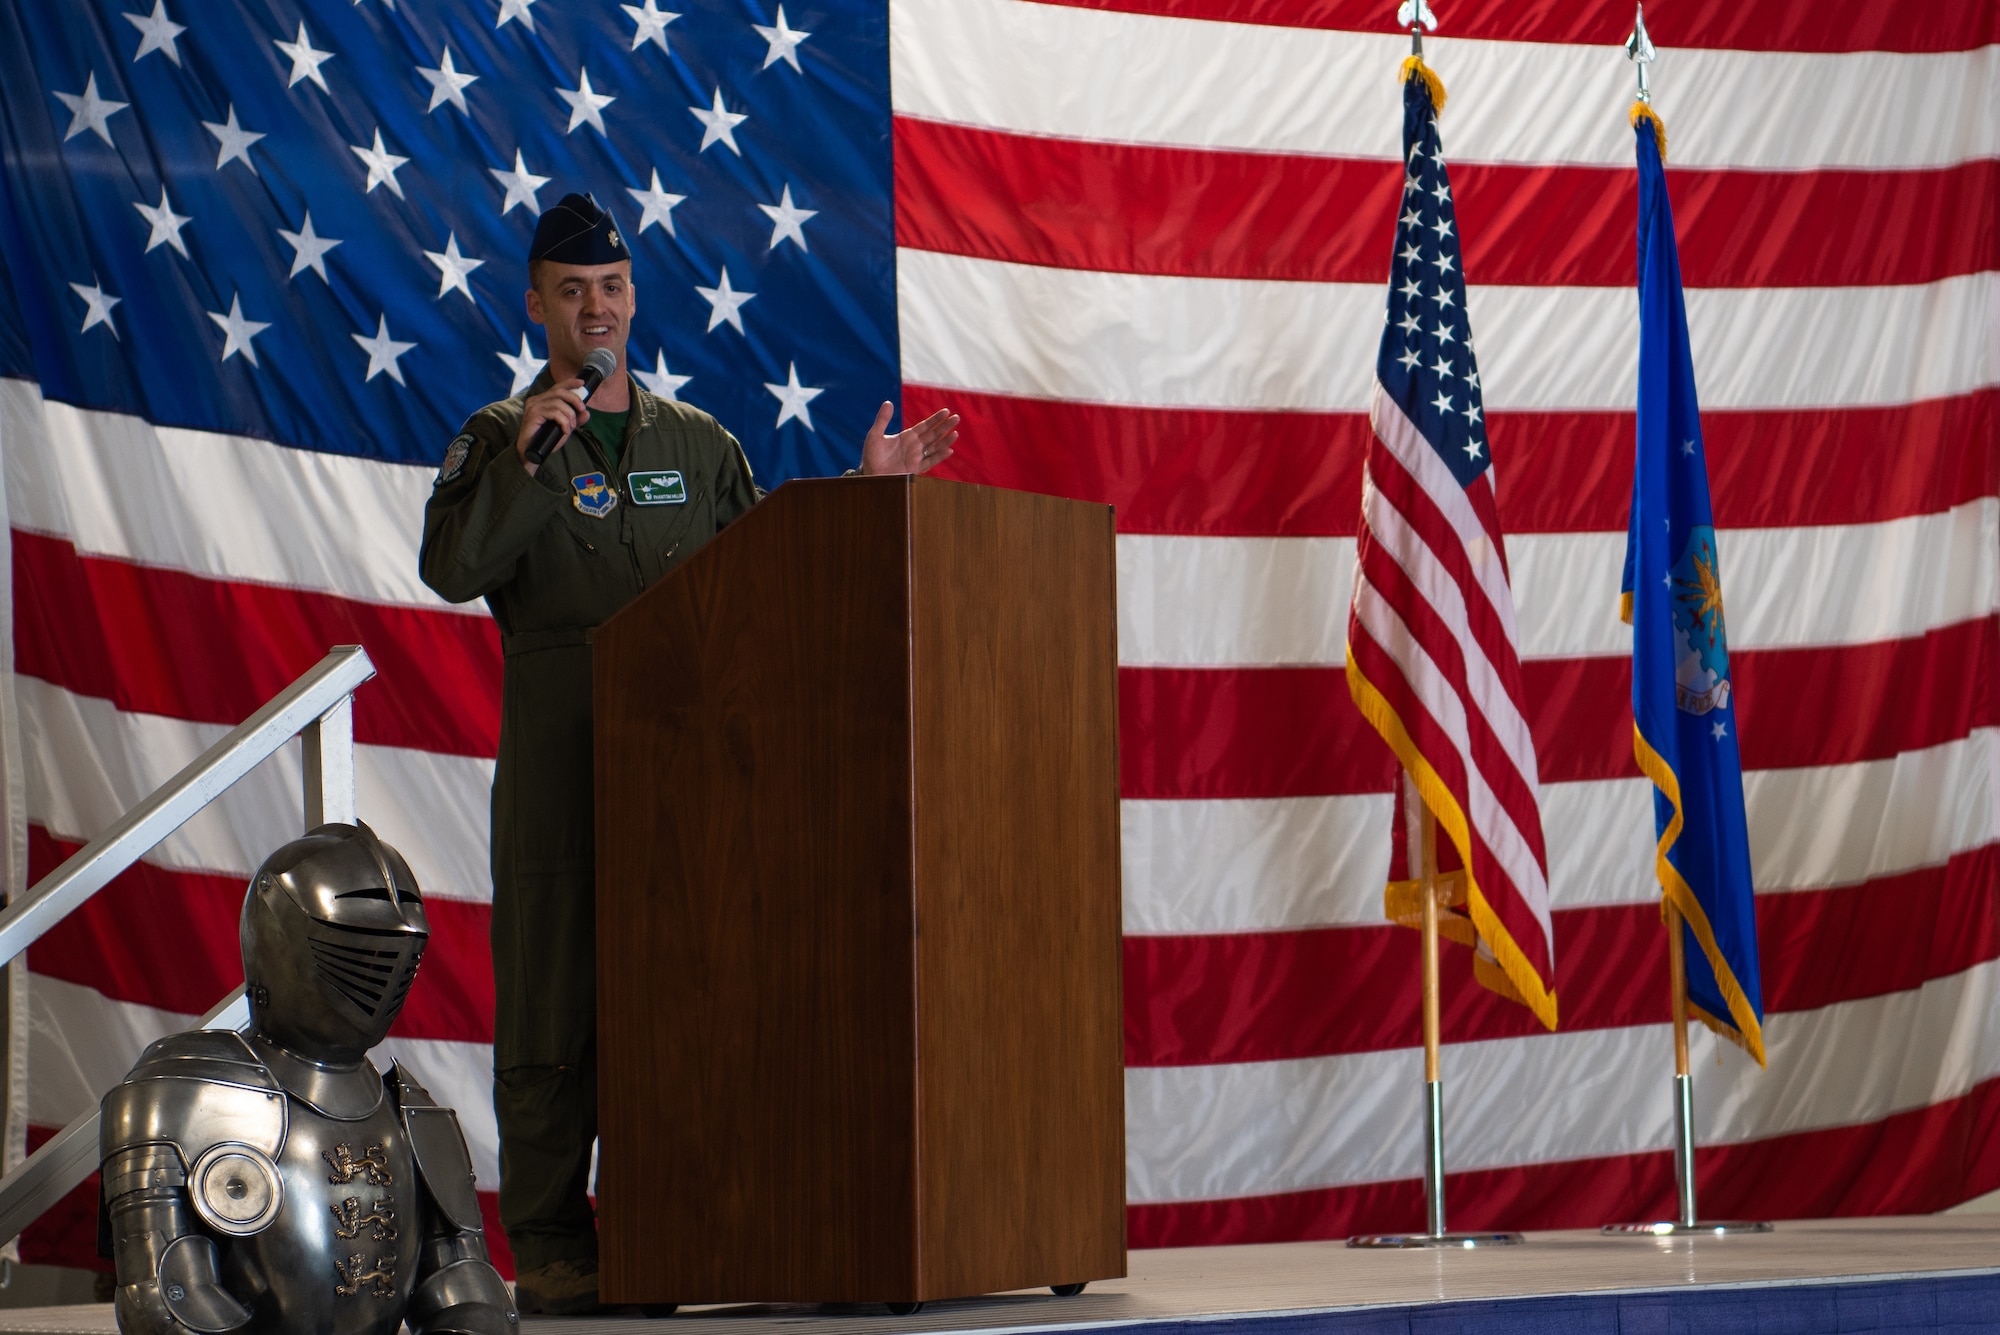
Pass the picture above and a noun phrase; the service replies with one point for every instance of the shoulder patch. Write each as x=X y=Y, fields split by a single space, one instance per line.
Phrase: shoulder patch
x=454 y=458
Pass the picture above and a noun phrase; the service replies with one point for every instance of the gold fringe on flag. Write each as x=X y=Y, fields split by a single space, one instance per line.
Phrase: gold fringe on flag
x=1414 y=67
x=1643 y=111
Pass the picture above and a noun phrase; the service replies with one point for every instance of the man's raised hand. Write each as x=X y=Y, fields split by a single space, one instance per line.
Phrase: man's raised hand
x=561 y=404
x=916 y=450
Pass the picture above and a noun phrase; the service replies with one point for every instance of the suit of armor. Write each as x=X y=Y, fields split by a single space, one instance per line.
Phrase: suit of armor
x=272 y=1180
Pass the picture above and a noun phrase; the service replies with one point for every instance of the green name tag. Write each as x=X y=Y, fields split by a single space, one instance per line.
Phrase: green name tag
x=664 y=488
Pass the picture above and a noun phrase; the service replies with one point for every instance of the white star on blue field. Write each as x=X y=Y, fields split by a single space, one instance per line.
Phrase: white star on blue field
x=1426 y=361
x=308 y=222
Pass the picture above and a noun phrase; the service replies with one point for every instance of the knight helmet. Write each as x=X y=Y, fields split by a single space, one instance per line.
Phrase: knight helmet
x=333 y=930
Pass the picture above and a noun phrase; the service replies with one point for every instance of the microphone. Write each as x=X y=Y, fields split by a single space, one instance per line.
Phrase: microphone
x=600 y=363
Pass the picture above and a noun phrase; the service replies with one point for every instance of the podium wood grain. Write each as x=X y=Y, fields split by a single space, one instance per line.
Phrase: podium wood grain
x=858 y=904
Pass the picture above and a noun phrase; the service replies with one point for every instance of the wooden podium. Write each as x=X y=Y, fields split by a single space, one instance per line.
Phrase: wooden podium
x=858 y=904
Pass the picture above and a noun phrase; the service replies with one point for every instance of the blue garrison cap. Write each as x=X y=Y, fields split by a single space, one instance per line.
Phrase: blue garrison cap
x=578 y=230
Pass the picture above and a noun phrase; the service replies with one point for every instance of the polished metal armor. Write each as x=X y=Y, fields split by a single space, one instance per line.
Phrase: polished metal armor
x=272 y=1179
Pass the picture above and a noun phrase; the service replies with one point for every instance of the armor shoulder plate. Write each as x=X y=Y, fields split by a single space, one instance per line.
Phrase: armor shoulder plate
x=439 y=1148
x=194 y=1091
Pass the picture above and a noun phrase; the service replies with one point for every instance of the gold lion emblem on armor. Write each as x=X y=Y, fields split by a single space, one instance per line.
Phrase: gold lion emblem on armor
x=373 y=1165
x=352 y=1276
x=348 y=1221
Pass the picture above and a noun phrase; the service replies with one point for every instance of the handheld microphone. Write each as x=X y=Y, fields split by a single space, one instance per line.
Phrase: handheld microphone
x=600 y=363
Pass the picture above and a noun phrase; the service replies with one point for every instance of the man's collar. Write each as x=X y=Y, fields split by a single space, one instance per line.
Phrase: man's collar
x=641 y=399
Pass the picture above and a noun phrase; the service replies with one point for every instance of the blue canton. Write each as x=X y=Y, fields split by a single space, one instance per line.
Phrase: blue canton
x=308 y=222
x=1426 y=362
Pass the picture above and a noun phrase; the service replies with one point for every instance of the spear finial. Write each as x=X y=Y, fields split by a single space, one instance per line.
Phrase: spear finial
x=1639 y=50
x=1416 y=15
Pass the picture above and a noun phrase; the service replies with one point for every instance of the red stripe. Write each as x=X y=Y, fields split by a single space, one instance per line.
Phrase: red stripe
x=1264 y=996
x=1131 y=208
x=1276 y=474
x=1293 y=732
x=112 y=944
x=1915 y=1162
x=160 y=641
x=1856 y=25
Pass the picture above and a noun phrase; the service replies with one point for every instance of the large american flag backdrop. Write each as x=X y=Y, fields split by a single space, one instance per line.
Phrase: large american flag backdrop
x=1143 y=246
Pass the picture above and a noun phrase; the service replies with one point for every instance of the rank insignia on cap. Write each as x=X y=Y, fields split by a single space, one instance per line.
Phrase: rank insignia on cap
x=454 y=459
x=577 y=230
x=593 y=497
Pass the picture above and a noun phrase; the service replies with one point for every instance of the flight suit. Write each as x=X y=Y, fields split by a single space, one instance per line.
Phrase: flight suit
x=554 y=555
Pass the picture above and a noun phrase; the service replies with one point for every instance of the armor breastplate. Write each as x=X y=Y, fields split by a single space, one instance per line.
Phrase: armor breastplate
x=341 y=1256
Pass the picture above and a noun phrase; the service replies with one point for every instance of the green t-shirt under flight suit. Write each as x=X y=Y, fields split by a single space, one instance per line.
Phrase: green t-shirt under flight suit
x=554 y=555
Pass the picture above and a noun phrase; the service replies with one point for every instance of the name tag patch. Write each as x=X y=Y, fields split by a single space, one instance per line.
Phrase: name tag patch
x=662 y=488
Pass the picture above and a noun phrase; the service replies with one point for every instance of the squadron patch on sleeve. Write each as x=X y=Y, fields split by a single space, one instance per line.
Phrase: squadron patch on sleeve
x=454 y=459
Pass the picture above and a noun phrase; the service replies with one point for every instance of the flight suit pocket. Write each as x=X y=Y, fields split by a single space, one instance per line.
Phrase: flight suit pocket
x=667 y=534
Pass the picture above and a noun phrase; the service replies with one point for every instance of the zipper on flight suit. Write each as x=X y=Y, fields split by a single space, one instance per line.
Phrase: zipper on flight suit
x=623 y=492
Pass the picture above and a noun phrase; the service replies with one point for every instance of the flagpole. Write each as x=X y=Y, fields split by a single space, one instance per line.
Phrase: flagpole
x=1433 y=1084
x=1639 y=50
x=1434 y=1234
x=1683 y=1077
x=1416 y=15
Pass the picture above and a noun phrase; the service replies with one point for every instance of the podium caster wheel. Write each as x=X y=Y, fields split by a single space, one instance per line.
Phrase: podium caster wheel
x=654 y=1311
x=903 y=1309
x=1066 y=1290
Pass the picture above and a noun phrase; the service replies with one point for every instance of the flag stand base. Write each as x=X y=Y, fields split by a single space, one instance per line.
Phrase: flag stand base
x=1434 y=1179
x=1689 y=1224
x=1436 y=1240
x=1700 y=1228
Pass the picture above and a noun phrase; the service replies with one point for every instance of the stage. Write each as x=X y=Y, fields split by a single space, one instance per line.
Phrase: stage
x=1934 y=1272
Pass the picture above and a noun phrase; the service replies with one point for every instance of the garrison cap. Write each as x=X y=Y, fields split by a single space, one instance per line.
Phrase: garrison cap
x=578 y=230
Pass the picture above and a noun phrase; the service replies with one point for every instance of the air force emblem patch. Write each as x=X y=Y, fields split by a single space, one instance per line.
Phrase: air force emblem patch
x=454 y=459
x=593 y=497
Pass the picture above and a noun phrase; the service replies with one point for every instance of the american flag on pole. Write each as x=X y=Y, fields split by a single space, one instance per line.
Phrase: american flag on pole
x=1140 y=245
x=1433 y=651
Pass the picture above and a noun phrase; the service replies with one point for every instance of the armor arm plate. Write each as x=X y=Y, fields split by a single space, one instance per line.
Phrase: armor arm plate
x=466 y=1297
x=458 y=1291
x=167 y=1279
x=194 y=1091
x=439 y=1147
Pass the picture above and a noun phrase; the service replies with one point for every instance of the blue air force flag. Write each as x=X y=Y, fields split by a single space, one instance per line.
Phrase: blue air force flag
x=1683 y=712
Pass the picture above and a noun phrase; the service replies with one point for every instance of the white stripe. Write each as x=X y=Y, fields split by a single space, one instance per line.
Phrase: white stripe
x=1001 y=328
x=1209 y=1132
x=225 y=507
x=1088 y=74
x=82 y=1043
x=1274 y=864
x=1218 y=602
x=88 y=763
x=1214 y=1131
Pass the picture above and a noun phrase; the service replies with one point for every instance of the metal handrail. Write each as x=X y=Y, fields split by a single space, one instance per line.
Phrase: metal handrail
x=318 y=708
x=322 y=690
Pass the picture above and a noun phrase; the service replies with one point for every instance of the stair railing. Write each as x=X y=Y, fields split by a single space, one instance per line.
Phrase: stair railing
x=318 y=709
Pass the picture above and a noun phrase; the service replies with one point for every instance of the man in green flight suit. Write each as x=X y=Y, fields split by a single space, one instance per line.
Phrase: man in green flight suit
x=636 y=486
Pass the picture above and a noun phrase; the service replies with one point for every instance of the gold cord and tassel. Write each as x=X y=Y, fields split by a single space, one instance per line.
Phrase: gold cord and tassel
x=1414 y=67
x=1643 y=111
